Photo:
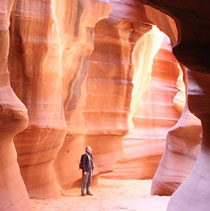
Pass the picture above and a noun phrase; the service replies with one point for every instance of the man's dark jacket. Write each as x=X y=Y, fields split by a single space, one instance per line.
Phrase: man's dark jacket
x=87 y=163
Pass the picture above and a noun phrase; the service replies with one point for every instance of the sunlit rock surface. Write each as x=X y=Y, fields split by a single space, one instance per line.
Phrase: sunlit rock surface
x=119 y=73
x=82 y=79
x=77 y=37
x=153 y=118
x=50 y=44
x=121 y=44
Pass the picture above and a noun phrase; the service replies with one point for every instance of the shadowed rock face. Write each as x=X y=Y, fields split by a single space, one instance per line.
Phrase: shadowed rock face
x=182 y=149
x=183 y=140
x=190 y=16
x=193 y=22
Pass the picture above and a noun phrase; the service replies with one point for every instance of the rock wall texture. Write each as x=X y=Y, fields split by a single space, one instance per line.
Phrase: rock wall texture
x=170 y=173
x=14 y=119
x=192 y=52
x=100 y=120
x=124 y=47
x=42 y=47
x=182 y=148
x=39 y=41
x=48 y=57
x=154 y=116
x=74 y=72
x=118 y=75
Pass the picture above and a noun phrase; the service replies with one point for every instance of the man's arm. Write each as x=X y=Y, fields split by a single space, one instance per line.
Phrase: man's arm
x=92 y=163
x=84 y=167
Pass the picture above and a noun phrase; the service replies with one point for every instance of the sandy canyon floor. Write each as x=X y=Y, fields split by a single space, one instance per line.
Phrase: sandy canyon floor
x=132 y=195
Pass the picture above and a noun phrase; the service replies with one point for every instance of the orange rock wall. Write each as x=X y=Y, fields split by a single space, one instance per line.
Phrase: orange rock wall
x=119 y=73
x=53 y=85
x=193 y=51
x=78 y=80
x=170 y=173
x=108 y=110
x=14 y=119
x=154 y=116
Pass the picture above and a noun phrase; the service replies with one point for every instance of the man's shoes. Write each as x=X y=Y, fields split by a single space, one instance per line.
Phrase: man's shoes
x=89 y=193
x=82 y=194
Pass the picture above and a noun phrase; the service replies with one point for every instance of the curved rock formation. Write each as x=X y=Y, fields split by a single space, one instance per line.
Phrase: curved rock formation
x=192 y=20
x=60 y=39
x=169 y=174
x=182 y=149
x=109 y=93
x=154 y=115
x=14 y=119
x=193 y=193
x=77 y=37
x=47 y=46
x=38 y=83
x=120 y=58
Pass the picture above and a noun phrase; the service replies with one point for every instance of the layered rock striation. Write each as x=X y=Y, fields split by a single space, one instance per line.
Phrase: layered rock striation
x=72 y=79
x=155 y=114
x=170 y=174
x=122 y=44
x=192 y=20
x=49 y=50
x=77 y=37
x=14 y=119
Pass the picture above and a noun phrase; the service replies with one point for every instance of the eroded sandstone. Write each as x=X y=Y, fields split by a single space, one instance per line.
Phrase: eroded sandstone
x=14 y=119
x=154 y=114
x=83 y=90
x=190 y=17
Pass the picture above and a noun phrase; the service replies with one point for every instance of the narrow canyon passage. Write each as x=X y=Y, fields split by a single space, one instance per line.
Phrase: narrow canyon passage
x=130 y=78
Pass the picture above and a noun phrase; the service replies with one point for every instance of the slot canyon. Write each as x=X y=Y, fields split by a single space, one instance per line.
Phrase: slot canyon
x=128 y=78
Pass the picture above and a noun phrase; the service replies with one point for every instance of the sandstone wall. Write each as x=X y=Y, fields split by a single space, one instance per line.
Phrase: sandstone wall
x=122 y=55
x=155 y=114
x=77 y=37
x=119 y=73
x=14 y=119
x=50 y=43
x=68 y=96
x=170 y=173
x=192 y=52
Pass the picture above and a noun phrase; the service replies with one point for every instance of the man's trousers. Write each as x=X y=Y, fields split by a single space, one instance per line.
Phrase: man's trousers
x=86 y=181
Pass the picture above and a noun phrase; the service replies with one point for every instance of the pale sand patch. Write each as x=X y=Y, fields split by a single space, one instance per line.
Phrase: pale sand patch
x=132 y=195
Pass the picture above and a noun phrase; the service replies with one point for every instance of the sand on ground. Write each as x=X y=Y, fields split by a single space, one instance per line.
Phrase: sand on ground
x=114 y=195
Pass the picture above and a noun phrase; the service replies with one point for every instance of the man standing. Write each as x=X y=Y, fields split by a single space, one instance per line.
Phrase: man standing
x=87 y=169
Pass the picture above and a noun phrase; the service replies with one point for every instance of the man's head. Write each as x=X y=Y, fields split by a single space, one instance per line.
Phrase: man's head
x=88 y=149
